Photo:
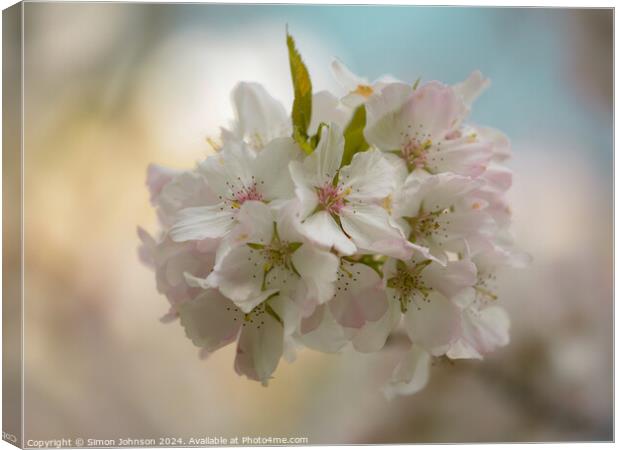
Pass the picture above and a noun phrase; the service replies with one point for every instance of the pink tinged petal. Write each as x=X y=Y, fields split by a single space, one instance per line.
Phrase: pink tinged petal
x=463 y=225
x=470 y=89
x=369 y=176
x=444 y=190
x=210 y=320
x=486 y=329
x=328 y=337
x=312 y=322
x=373 y=335
x=147 y=248
x=170 y=316
x=202 y=222
x=318 y=270
x=359 y=296
x=501 y=144
x=432 y=324
x=322 y=229
x=462 y=156
x=259 y=348
x=411 y=375
x=433 y=110
x=384 y=122
x=371 y=230
x=157 y=177
x=452 y=279
x=260 y=117
x=498 y=178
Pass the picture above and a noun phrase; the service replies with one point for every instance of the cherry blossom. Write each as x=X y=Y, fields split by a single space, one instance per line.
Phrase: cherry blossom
x=336 y=223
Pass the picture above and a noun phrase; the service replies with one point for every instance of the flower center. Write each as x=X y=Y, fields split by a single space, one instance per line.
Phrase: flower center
x=364 y=90
x=415 y=152
x=427 y=225
x=244 y=194
x=407 y=282
x=332 y=198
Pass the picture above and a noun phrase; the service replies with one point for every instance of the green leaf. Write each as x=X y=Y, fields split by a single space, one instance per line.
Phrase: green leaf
x=302 y=86
x=417 y=82
x=354 y=140
x=255 y=246
x=304 y=143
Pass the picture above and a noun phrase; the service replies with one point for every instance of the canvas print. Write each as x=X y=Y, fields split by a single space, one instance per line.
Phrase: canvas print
x=238 y=225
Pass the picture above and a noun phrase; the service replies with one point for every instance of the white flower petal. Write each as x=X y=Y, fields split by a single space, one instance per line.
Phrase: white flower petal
x=259 y=349
x=487 y=328
x=321 y=166
x=271 y=168
x=257 y=220
x=157 y=177
x=471 y=88
x=411 y=375
x=371 y=230
x=359 y=296
x=260 y=117
x=383 y=117
x=318 y=269
x=461 y=349
x=322 y=229
x=325 y=109
x=240 y=277
x=452 y=279
x=462 y=156
x=202 y=222
x=433 y=324
x=501 y=144
x=329 y=336
x=373 y=335
x=230 y=170
x=369 y=176
x=288 y=312
x=304 y=189
x=210 y=320
x=345 y=77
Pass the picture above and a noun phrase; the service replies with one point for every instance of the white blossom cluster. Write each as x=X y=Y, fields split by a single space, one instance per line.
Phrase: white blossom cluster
x=338 y=224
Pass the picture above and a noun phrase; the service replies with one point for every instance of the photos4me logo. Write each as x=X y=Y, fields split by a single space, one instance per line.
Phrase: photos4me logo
x=9 y=437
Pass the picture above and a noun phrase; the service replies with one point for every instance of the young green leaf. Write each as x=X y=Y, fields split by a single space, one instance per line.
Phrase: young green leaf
x=303 y=142
x=302 y=86
x=354 y=140
x=416 y=84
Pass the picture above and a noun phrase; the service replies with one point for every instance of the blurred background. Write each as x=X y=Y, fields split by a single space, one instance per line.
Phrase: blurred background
x=112 y=87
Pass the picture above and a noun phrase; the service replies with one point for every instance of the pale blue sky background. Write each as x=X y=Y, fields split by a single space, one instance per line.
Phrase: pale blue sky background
x=536 y=58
